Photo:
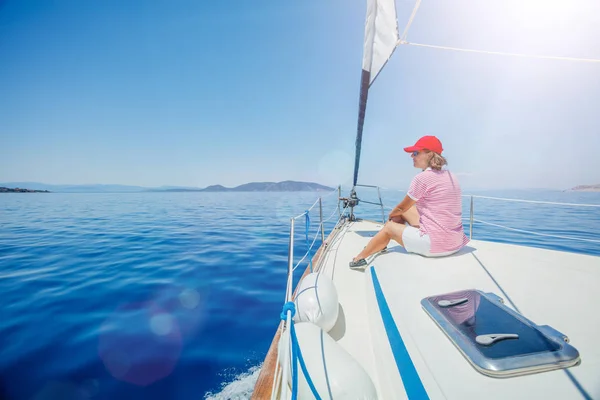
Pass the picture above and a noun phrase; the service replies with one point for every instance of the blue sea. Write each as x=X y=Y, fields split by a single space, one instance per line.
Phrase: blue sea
x=177 y=295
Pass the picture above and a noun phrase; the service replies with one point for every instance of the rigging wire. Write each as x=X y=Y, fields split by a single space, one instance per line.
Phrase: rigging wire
x=501 y=53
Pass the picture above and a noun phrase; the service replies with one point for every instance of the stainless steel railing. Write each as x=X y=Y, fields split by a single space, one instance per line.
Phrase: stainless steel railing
x=280 y=387
x=377 y=204
x=471 y=219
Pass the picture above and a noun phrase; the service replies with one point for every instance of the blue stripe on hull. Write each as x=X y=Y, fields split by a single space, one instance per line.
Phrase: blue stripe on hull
x=410 y=378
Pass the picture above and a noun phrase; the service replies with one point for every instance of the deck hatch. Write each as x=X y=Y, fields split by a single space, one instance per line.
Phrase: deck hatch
x=496 y=340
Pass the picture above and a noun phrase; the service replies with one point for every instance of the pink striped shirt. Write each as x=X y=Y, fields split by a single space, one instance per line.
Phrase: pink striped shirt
x=439 y=203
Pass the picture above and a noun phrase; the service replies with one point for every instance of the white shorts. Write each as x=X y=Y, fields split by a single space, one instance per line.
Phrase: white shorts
x=415 y=243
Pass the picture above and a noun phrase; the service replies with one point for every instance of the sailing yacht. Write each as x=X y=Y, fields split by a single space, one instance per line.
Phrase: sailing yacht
x=493 y=321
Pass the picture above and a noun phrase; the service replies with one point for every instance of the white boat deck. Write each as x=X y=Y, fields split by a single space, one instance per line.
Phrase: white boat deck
x=548 y=287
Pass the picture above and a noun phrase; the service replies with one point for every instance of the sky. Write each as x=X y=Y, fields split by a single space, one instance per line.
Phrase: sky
x=196 y=93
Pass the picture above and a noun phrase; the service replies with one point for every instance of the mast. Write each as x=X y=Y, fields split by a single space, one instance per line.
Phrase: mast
x=381 y=39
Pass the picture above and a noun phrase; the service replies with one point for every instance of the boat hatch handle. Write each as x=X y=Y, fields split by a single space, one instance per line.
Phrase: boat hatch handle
x=452 y=303
x=492 y=338
x=551 y=332
x=495 y=296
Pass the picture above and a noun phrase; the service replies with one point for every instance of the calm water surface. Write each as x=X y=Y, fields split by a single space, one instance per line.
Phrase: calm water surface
x=177 y=295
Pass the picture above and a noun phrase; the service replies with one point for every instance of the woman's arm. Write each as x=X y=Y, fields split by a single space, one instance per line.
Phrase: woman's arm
x=402 y=207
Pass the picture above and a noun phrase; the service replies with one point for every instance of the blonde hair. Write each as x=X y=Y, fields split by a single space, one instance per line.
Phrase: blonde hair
x=437 y=161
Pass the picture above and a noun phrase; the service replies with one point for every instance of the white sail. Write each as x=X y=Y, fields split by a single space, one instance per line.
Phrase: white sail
x=381 y=38
x=381 y=35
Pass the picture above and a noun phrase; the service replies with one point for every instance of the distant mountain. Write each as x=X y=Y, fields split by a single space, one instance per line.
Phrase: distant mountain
x=285 y=186
x=217 y=188
x=586 y=188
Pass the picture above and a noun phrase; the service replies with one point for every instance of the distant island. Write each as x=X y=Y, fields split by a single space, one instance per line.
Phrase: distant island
x=19 y=190
x=284 y=186
x=586 y=188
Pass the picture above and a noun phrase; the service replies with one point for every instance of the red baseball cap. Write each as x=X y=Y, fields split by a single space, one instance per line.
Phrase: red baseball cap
x=430 y=143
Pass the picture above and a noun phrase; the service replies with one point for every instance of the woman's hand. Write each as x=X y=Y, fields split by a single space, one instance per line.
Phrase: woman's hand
x=404 y=205
x=396 y=213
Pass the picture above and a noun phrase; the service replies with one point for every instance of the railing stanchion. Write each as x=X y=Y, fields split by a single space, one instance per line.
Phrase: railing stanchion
x=288 y=295
x=339 y=195
x=381 y=204
x=321 y=220
x=286 y=359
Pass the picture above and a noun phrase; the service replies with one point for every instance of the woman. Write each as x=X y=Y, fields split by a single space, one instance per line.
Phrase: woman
x=434 y=228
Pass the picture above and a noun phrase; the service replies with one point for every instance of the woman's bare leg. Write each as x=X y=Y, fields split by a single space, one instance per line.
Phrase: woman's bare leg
x=391 y=230
x=412 y=216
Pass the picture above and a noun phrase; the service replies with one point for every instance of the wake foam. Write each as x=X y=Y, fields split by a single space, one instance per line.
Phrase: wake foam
x=239 y=389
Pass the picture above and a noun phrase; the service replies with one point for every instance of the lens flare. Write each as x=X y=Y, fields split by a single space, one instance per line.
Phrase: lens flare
x=140 y=343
